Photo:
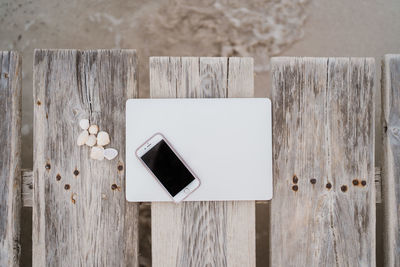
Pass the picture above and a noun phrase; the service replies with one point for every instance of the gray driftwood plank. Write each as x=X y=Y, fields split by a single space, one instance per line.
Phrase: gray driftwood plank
x=27 y=187
x=80 y=216
x=391 y=165
x=202 y=233
x=323 y=210
x=10 y=158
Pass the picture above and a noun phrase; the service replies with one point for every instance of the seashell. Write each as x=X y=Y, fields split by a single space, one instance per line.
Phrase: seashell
x=84 y=124
x=110 y=153
x=91 y=141
x=93 y=129
x=82 y=138
x=103 y=138
x=97 y=153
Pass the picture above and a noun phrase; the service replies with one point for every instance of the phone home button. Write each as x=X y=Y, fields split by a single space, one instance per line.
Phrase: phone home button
x=187 y=190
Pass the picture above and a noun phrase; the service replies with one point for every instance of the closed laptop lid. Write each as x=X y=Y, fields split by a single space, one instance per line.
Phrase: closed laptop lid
x=227 y=143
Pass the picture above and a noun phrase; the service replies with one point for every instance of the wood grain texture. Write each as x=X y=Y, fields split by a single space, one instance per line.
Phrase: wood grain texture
x=202 y=233
x=79 y=217
x=391 y=157
x=10 y=158
x=27 y=188
x=323 y=134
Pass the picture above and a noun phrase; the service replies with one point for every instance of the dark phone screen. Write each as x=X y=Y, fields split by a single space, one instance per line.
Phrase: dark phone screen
x=168 y=168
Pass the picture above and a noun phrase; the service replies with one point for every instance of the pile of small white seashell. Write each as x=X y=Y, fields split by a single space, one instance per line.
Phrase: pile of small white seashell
x=91 y=137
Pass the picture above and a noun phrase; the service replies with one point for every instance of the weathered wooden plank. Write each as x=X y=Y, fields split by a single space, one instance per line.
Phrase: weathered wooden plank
x=27 y=188
x=323 y=210
x=10 y=158
x=80 y=215
x=202 y=233
x=391 y=157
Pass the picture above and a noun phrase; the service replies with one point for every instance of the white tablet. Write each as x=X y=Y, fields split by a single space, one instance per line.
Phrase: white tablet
x=225 y=142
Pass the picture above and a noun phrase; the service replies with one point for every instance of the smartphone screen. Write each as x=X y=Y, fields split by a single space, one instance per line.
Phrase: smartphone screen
x=168 y=168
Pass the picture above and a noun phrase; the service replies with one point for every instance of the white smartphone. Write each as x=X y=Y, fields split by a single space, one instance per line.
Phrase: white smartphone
x=169 y=169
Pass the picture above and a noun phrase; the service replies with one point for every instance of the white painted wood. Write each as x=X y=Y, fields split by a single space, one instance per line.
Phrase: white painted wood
x=391 y=157
x=323 y=129
x=202 y=233
x=80 y=215
x=10 y=158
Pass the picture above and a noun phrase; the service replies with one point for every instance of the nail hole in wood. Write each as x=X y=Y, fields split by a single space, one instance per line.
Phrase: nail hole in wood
x=67 y=187
x=6 y=75
x=30 y=186
x=120 y=167
x=76 y=172
x=295 y=188
x=355 y=182
x=328 y=186
x=363 y=183
x=48 y=167
x=38 y=103
x=115 y=187
x=343 y=188
x=313 y=181
x=295 y=179
x=58 y=177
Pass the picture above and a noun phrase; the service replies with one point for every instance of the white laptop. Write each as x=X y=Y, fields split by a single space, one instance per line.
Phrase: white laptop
x=226 y=142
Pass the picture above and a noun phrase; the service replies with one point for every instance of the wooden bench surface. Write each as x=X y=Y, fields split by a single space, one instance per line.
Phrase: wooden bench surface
x=323 y=209
x=10 y=158
x=80 y=216
x=208 y=233
x=323 y=130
